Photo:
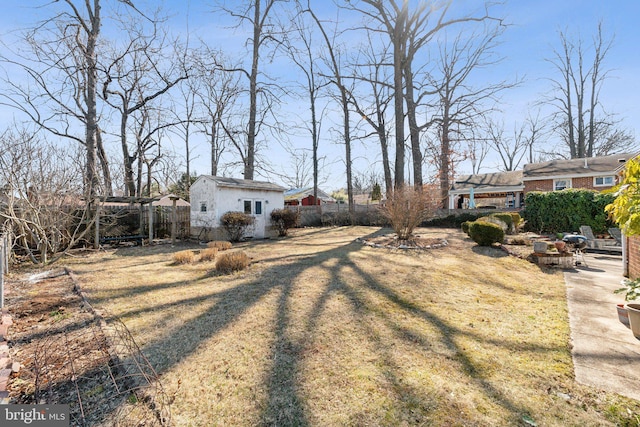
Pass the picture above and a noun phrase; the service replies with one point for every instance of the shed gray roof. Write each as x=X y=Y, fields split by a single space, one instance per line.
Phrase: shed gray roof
x=245 y=183
x=576 y=167
x=488 y=180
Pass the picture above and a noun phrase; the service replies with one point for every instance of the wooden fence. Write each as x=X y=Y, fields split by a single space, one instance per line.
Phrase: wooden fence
x=331 y=214
x=134 y=220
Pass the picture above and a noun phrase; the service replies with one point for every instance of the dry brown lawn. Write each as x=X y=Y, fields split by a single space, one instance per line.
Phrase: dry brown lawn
x=321 y=330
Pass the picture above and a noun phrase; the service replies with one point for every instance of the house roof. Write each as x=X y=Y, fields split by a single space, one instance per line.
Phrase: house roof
x=244 y=183
x=301 y=193
x=492 y=181
x=590 y=166
x=167 y=200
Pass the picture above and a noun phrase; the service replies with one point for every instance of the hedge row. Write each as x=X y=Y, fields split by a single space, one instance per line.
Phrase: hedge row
x=566 y=211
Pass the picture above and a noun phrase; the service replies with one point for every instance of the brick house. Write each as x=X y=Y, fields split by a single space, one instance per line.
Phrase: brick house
x=507 y=189
x=593 y=173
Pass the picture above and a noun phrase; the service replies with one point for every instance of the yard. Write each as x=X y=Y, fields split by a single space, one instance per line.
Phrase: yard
x=322 y=330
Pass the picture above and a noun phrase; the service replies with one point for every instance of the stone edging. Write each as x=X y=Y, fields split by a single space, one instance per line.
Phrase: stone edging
x=442 y=244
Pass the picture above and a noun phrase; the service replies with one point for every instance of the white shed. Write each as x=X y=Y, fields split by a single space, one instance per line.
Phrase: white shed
x=213 y=196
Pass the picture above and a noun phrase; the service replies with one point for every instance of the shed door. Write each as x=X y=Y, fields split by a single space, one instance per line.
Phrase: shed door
x=255 y=208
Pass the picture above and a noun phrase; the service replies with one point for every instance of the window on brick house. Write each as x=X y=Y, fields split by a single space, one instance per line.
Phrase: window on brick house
x=561 y=184
x=602 y=181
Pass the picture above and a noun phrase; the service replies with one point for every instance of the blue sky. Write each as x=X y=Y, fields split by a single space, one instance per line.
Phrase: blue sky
x=531 y=37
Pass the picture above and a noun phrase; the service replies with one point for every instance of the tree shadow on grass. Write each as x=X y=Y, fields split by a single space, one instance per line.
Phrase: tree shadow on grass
x=285 y=402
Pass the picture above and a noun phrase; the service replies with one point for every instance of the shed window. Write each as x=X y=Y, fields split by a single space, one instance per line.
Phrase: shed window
x=258 y=208
x=601 y=181
x=203 y=206
x=561 y=184
x=247 y=207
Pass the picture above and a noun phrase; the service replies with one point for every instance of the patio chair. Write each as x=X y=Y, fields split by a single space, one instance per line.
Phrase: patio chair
x=616 y=233
x=587 y=232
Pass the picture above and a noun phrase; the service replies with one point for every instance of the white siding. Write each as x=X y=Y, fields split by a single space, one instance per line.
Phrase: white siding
x=220 y=199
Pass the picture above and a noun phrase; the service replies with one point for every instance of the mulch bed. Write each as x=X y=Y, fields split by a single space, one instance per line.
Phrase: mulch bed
x=391 y=241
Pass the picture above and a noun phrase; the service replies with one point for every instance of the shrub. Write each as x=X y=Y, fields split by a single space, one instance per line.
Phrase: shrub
x=236 y=224
x=517 y=221
x=221 y=245
x=283 y=220
x=232 y=261
x=495 y=220
x=485 y=233
x=208 y=254
x=405 y=209
x=184 y=257
x=507 y=219
x=453 y=221
x=567 y=210
x=465 y=227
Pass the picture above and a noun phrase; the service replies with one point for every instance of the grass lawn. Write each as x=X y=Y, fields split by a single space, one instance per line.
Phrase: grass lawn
x=321 y=330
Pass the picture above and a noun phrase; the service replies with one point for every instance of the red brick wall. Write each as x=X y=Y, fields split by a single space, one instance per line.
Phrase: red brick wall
x=633 y=255
x=547 y=184
x=538 y=185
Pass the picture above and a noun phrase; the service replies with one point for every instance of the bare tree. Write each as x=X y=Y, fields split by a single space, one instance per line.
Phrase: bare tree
x=217 y=92
x=580 y=119
x=302 y=52
x=459 y=106
x=62 y=66
x=135 y=76
x=511 y=150
x=338 y=81
x=409 y=30
x=43 y=185
x=257 y=13
x=371 y=70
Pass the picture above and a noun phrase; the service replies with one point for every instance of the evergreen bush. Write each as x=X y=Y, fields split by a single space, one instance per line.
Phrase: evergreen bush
x=507 y=219
x=485 y=233
x=465 y=227
x=567 y=210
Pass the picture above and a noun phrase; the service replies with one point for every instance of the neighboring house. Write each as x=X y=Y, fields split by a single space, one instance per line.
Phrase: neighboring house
x=507 y=189
x=498 y=190
x=593 y=173
x=168 y=199
x=213 y=196
x=304 y=197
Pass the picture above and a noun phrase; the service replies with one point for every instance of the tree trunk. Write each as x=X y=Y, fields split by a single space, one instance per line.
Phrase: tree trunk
x=91 y=115
x=414 y=131
x=253 y=96
x=398 y=100
x=129 y=181
x=104 y=163
x=445 y=148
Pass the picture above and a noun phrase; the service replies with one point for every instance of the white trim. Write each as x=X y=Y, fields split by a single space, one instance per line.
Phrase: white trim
x=581 y=175
x=487 y=190
x=569 y=183
x=613 y=179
